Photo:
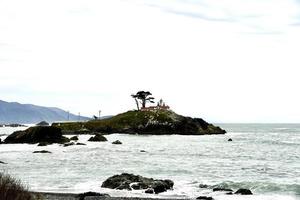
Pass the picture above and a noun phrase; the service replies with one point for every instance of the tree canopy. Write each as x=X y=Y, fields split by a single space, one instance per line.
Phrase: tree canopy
x=141 y=98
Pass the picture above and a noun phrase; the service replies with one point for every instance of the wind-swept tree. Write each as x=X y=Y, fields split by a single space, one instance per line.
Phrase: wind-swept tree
x=144 y=97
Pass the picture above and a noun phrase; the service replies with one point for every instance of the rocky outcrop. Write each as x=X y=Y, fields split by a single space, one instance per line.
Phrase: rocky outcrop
x=38 y=134
x=130 y=181
x=98 y=138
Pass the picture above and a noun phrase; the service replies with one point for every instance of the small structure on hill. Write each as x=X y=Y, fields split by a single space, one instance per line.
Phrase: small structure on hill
x=161 y=105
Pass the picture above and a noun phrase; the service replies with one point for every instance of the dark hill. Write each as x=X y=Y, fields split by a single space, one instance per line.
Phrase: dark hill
x=32 y=114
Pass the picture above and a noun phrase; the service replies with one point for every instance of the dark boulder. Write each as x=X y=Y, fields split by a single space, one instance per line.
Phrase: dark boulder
x=117 y=142
x=69 y=144
x=229 y=140
x=91 y=194
x=78 y=143
x=243 y=191
x=203 y=186
x=74 y=138
x=143 y=151
x=1 y=162
x=222 y=190
x=98 y=138
x=42 y=123
x=37 y=134
x=205 y=198
x=42 y=144
x=160 y=186
x=43 y=151
x=131 y=181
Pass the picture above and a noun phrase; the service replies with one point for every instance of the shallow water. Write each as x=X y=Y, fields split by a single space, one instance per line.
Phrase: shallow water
x=261 y=157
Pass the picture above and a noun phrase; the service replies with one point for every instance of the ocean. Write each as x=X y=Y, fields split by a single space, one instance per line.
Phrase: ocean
x=262 y=157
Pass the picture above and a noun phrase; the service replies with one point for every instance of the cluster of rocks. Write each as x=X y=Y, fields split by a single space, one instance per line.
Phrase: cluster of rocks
x=228 y=191
x=127 y=181
x=45 y=135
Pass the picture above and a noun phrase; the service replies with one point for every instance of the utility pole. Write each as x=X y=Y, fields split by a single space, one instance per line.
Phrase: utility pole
x=68 y=115
x=99 y=114
x=79 y=116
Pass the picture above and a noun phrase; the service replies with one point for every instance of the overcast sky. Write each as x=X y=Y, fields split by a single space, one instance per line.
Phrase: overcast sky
x=224 y=61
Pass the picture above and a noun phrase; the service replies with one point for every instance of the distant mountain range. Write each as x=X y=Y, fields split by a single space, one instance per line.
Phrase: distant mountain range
x=13 y=112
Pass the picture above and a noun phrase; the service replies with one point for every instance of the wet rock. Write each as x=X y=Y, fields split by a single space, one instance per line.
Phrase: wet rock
x=1 y=162
x=74 y=138
x=149 y=191
x=130 y=181
x=229 y=140
x=205 y=198
x=222 y=190
x=43 y=151
x=98 y=138
x=91 y=194
x=203 y=186
x=243 y=191
x=117 y=142
x=159 y=187
x=78 y=143
x=37 y=134
x=69 y=144
x=143 y=151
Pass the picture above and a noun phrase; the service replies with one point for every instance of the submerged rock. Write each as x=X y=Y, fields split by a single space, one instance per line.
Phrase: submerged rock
x=78 y=143
x=69 y=144
x=117 y=142
x=243 y=191
x=37 y=134
x=222 y=190
x=205 y=198
x=203 y=186
x=130 y=181
x=98 y=138
x=91 y=194
x=43 y=151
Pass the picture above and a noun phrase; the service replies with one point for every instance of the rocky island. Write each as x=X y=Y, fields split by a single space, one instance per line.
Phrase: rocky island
x=155 y=122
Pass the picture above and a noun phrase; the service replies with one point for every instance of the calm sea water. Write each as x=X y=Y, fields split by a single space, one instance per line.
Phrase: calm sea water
x=262 y=157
